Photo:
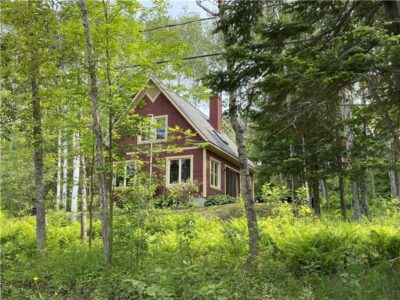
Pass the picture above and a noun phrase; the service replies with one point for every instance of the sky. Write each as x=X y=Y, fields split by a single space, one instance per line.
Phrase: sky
x=177 y=6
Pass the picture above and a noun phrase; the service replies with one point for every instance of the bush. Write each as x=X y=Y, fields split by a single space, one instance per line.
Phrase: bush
x=134 y=196
x=182 y=194
x=274 y=193
x=219 y=200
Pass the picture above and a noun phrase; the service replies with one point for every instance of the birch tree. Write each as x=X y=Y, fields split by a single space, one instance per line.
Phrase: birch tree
x=75 y=176
x=59 y=160
x=65 y=173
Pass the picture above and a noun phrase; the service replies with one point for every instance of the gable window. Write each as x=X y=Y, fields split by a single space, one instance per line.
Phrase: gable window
x=156 y=130
x=179 y=169
x=215 y=173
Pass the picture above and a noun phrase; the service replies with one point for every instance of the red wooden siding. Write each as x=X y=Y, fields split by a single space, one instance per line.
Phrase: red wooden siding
x=160 y=107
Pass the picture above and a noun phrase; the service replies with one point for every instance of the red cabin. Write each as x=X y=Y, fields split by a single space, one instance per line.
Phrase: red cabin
x=208 y=157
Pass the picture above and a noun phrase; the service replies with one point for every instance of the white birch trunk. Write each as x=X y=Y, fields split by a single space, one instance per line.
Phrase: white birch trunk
x=65 y=173
x=346 y=115
x=75 y=176
x=84 y=198
x=59 y=159
x=325 y=192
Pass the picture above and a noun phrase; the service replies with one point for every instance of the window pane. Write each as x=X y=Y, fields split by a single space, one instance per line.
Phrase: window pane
x=119 y=171
x=173 y=171
x=119 y=181
x=160 y=128
x=185 y=172
x=130 y=172
x=214 y=173
x=146 y=135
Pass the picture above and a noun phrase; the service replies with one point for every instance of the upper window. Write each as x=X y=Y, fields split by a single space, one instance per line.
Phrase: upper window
x=215 y=173
x=156 y=130
x=179 y=170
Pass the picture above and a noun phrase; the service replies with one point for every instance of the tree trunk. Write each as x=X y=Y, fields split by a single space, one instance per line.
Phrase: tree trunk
x=303 y=147
x=315 y=197
x=110 y=122
x=84 y=197
x=246 y=187
x=364 y=193
x=65 y=173
x=392 y=181
x=396 y=172
x=325 y=192
x=59 y=159
x=91 y=203
x=342 y=197
x=397 y=180
x=75 y=177
x=102 y=182
x=38 y=160
x=355 y=203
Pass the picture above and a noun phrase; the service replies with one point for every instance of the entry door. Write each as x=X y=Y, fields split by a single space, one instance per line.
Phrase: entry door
x=232 y=182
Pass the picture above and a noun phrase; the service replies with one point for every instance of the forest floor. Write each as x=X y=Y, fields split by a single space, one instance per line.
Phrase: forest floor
x=199 y=253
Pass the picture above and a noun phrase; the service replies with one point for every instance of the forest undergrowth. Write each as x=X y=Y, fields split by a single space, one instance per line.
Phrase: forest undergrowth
x=161 y=254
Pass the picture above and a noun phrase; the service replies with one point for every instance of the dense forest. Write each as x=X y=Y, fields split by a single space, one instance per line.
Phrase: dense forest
x=311 y=96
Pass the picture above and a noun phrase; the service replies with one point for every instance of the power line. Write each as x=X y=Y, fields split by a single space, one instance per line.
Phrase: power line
x=178 y=24
x=191 y=57
x=183 y=58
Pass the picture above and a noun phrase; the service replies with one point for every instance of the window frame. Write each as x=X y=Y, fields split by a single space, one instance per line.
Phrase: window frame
x=180 y=158
x=219 y=177
x=154 y=130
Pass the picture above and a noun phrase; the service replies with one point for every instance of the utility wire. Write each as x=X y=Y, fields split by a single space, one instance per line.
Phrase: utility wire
x=178 y=24
x=183 y=58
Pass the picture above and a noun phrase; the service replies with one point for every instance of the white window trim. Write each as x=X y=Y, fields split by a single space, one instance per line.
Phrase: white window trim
x=168 y=160
x=139 y=137
x=217 y=187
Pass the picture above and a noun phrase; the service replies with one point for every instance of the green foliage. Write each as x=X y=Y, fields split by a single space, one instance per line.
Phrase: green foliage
x=173 y=254
x=219 y=200
x=274 y=193
x=134 y=196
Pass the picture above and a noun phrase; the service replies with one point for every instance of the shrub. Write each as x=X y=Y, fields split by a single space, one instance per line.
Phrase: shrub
x=183 y=194
x=134 y=196
x=274 y=193
x=219 y=200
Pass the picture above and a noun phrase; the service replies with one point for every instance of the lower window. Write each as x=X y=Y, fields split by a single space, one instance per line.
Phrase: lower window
x=179 y=170
x=124 y=173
